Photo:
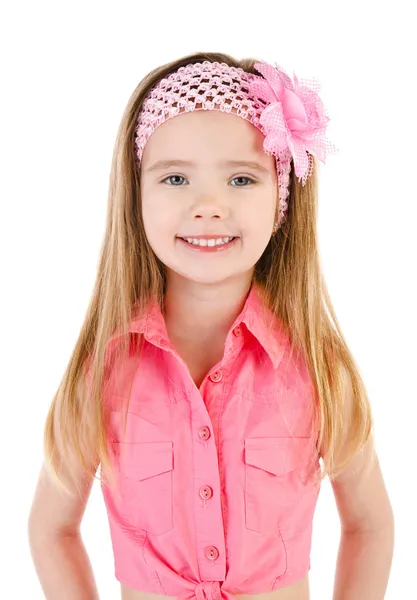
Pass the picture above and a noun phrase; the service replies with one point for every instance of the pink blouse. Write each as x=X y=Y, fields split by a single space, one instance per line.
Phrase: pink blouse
x=215 y=491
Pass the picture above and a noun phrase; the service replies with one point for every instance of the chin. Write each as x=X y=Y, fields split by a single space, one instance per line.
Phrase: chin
x=206 y=276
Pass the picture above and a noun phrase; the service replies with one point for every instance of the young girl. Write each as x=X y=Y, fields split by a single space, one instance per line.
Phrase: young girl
x=211 y=376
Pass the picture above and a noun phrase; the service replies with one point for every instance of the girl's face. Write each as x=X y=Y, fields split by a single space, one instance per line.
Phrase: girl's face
x=207 y=194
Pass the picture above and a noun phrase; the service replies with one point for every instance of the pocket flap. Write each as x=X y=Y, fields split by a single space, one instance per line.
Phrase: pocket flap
x=278 y=455
x=145 y=459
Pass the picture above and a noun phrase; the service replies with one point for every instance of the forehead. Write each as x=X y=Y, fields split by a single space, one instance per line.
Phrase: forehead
x=206 y=132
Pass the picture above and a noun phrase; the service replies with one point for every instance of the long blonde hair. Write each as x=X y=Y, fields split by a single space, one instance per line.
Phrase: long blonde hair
x=130 y=274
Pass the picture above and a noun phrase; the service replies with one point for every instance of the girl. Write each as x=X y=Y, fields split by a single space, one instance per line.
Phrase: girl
x=211 y=377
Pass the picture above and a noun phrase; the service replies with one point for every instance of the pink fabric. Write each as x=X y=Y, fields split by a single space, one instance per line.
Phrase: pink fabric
x=294 y=119
x=215 y=485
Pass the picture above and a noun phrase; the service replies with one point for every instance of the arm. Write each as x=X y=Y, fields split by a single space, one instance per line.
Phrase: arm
x=57 y=550
x=367 y=538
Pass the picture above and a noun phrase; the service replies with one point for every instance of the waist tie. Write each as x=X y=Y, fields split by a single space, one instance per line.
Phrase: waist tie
x=211 y=590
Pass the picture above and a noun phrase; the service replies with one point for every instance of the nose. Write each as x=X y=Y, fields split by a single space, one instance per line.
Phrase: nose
x=210 y=209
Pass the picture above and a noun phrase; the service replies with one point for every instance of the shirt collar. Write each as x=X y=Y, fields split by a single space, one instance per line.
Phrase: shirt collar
x=260 y=321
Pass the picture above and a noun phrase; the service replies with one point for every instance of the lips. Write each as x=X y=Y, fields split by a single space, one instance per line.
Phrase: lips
x=225 y=240
x=204 y=245
x=207 y=236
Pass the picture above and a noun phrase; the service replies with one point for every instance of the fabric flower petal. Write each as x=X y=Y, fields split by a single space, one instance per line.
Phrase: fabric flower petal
x=293 y=107
x=273 y=78
x=275 y=128
x=300 y=157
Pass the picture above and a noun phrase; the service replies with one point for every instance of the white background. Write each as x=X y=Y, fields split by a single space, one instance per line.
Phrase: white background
x=67 y=72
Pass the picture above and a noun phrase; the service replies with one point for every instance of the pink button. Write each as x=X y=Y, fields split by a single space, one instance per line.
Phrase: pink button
x=216 y=376
x=237 y=330
x=206 y=492
x=211 y=552
x=204 y=433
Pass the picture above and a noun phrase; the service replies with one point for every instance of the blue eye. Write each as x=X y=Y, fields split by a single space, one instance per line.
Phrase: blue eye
x=170 y=177
x=181 y=177
x=243 y=177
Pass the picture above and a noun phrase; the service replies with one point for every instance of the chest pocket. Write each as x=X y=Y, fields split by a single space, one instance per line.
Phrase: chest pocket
x=276 y=480
x=146 y=470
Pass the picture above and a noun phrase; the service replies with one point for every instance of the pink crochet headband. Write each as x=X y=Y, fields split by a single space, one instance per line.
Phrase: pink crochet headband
x=290 y=114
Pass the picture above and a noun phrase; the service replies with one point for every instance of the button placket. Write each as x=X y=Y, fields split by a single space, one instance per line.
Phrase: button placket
x=211 y=563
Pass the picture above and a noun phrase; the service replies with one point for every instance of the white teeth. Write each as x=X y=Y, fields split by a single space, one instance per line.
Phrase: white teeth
x=211 y=242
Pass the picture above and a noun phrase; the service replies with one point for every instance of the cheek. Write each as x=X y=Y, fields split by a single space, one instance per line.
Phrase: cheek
x=158 y=218
x=257 y=229
x=259 y=218
x=160 y=229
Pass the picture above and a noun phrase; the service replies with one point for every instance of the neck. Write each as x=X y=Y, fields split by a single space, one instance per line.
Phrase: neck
x=201 y=312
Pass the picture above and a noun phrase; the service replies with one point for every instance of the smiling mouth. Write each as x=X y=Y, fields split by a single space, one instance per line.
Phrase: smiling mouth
x=212 y=242
x=208 y=245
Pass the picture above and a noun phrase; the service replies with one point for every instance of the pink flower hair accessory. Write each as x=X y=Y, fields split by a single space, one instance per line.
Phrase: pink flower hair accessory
x=290 y=115
x=294 y=118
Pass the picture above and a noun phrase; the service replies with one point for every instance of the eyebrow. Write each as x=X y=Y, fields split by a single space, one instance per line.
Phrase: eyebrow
x=165 y=164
